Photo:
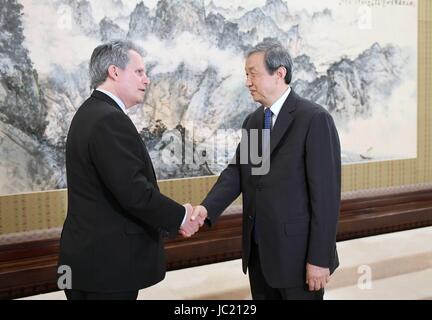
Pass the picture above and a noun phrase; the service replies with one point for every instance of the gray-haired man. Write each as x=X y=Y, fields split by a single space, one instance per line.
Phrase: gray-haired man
x=112 y=236
x=290 y=213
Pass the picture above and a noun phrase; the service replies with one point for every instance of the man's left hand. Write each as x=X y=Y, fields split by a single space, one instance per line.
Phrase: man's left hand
x=316 y=277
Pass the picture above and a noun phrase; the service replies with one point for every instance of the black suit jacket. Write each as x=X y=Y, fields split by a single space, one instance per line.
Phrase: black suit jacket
x=112 y=235
x=296 y=204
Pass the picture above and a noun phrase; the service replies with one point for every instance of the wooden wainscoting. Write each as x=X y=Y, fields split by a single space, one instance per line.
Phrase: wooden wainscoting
x=29 y=268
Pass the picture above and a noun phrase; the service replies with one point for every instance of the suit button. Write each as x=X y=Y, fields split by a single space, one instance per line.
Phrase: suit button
x=250 y=218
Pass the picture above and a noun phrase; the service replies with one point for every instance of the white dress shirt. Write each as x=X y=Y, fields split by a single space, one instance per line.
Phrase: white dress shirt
x=277 y=106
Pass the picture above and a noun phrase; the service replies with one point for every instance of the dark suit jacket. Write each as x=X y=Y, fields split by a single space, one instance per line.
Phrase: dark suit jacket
x=296 y=205
x=112 y=236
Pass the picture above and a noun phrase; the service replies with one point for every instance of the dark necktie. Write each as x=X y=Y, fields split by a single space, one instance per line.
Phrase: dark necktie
x=267 y=129
x=268 y=118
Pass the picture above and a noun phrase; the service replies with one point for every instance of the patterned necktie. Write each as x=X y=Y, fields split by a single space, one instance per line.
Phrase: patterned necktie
x=267 y=129
x=268 y=118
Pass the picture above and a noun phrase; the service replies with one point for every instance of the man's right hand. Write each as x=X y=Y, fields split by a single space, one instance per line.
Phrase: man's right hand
x=199 y=214
x=189 y=226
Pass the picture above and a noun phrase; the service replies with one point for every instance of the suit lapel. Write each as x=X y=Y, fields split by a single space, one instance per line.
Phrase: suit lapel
x=283 y=121
x=257 y=119
x=256 y=124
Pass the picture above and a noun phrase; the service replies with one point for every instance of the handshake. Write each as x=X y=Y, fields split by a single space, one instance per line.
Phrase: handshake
x=195 y=217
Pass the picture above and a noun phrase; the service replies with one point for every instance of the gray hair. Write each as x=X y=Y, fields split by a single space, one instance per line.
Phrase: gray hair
x=275 y=56
x=116 y=53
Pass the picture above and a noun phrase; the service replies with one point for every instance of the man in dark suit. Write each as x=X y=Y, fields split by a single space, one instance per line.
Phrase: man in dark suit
x=112 y=236
x=291 y=205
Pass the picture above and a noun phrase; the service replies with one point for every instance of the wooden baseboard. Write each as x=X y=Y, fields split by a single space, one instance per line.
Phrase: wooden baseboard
x=29 y=268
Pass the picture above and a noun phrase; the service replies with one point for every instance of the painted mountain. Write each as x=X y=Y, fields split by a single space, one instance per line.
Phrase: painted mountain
x=352 y=60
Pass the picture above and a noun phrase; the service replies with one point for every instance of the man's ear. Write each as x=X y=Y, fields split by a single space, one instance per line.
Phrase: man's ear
x=281 y=72
x=113 y=72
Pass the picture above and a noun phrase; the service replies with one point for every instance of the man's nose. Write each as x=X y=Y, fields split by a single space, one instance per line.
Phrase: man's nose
x=248 y=82
x=146 y=79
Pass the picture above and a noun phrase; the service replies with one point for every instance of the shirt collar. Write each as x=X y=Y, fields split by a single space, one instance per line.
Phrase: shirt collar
x=115 y=98
x=277 y=106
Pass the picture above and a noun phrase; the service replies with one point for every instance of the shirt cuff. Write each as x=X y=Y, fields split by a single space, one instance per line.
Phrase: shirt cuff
x=184 y=218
